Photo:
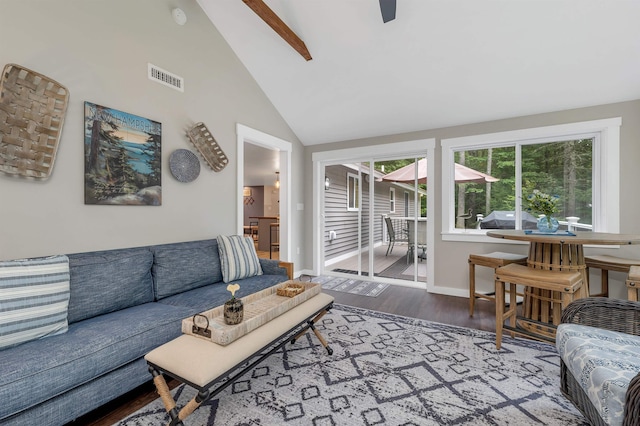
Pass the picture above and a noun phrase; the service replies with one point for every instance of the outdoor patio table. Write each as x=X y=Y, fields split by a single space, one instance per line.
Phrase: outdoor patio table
x=564 y=252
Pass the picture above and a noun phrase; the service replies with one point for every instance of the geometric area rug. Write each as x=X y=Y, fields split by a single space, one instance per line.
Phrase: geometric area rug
x=389 y=370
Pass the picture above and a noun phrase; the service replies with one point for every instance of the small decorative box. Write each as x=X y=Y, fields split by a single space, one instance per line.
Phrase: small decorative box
x=290 y=290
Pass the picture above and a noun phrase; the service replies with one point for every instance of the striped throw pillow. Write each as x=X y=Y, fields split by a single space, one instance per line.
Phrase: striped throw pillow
x=34 y=297
x=238 y=258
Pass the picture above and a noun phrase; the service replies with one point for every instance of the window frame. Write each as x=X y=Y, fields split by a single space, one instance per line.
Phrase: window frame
x=356 y=188
x=606 y=177
x=407 y=204
x=392 y=200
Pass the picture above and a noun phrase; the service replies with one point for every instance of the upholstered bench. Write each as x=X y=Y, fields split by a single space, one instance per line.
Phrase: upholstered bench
x=210 y=367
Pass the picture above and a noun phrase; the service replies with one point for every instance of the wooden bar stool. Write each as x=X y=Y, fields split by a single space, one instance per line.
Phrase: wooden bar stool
x=633 y=283
x=491 y=260
x=274 y=243
x=551 y=290
x=609 y=263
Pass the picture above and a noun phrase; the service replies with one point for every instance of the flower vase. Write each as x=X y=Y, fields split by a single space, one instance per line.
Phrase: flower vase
x=548 y=224
x=233 y=311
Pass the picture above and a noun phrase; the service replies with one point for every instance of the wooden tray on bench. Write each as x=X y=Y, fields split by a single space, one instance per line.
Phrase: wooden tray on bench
x=259 y=308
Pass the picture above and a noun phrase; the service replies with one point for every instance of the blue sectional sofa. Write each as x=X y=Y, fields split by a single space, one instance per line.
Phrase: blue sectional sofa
x=122 y=304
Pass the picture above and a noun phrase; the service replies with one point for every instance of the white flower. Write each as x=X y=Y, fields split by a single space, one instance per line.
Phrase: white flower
x=233 y=288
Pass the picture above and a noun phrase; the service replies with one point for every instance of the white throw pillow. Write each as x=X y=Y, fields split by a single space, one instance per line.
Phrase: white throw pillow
x=34 y=297
x=238 y=258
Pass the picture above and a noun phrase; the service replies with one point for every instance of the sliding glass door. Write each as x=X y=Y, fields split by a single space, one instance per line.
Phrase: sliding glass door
x=375 y=220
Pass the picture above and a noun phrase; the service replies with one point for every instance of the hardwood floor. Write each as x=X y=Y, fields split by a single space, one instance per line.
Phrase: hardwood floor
x=397 y=300
x=416 y=303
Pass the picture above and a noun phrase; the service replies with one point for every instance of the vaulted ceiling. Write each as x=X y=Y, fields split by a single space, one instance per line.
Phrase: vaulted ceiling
x=439 y=63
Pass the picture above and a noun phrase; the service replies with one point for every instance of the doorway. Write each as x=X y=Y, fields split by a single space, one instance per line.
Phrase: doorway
x=264 y=155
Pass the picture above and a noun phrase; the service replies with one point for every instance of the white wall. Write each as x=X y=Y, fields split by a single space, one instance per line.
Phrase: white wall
x=99 y=50
x=451 y=257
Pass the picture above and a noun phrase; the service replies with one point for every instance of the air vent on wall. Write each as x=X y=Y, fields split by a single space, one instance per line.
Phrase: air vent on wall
x=161 y=76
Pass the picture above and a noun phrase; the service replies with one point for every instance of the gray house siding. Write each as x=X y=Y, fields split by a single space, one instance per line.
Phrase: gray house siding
x=345 y=223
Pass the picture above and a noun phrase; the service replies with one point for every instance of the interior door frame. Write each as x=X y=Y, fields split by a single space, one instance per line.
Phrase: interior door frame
x=256 y=137
x=414 y=148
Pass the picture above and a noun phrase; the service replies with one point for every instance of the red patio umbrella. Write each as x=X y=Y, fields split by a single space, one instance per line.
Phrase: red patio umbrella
x=463 y=174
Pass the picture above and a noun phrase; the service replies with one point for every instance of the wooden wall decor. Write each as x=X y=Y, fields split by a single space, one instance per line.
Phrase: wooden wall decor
x=207 y=146
x=32 y=111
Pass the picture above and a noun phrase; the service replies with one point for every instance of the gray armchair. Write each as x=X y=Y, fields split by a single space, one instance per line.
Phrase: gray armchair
x=621 y=316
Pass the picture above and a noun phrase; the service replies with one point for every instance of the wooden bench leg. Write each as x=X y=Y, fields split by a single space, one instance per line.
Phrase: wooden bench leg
x=311 y=325
x=165 y=395
x=191 y=406
x=170 y=403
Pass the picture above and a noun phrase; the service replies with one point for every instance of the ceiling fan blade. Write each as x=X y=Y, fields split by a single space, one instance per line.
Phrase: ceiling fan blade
x=388 y=9
x=271 y=19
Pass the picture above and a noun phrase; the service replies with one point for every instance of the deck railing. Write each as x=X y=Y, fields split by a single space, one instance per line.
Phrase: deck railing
x=400 y=227
x=570 y=224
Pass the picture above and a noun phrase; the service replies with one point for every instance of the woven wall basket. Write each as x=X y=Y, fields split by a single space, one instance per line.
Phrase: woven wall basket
x=32 y=110
x=207 y=146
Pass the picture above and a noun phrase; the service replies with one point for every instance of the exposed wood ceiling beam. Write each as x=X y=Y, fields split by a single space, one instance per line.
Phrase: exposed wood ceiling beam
x=268 y=16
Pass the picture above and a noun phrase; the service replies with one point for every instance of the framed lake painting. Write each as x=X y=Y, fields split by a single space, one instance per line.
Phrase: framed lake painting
x=122 y=154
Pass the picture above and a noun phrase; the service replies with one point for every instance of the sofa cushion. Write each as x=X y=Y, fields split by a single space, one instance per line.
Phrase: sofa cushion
x=603 y=362
x=184 y=266
x=238 y=258
x=35 y=372
x=208 y=297
x=34 y=297
x=106 y=281
x=272 y=267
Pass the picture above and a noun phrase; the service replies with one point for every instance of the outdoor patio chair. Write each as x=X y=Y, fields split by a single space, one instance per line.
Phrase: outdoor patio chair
x=391 y=233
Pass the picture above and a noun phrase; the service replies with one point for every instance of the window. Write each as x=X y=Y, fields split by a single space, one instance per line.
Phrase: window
x=353 y=192
x=406 y=205
x=578 y=162
x=392 y=200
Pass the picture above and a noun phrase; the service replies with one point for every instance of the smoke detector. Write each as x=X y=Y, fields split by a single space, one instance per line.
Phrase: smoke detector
x=179 y=16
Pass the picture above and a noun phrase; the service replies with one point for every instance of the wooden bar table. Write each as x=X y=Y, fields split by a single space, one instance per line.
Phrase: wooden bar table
x=561 y=251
